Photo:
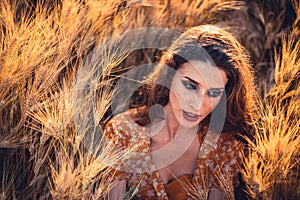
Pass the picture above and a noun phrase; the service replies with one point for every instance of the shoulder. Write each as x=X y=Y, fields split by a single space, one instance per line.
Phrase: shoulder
x=230 y=143
x=224 y=142
x=123 y=130
x=223 y=156
x=130 y=140
x=224 y=150
x=230 y=149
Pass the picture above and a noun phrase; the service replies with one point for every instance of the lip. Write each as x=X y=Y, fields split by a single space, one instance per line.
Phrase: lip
x=190 y=116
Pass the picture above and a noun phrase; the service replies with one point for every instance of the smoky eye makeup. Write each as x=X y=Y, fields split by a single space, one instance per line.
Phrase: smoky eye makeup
x=214 y=92
x=189 y=85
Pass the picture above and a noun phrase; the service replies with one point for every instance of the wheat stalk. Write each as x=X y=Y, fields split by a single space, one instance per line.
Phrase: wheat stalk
x=273 y=159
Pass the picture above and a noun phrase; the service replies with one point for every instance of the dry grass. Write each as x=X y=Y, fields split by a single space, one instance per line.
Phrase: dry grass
x=50 y=142
x=171 y=14
x=272 y=167
x=199 y=190
x=260 y=28
x=41 y=52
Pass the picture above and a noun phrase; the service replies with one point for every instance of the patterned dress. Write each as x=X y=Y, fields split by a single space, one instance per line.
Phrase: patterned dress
x=217 y=166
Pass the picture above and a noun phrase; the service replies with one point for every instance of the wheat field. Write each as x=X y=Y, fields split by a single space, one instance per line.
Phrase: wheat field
x=50 y=137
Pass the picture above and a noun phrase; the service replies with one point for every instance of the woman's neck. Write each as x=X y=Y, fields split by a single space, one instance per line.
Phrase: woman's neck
x=172 y=125
x=167 y=129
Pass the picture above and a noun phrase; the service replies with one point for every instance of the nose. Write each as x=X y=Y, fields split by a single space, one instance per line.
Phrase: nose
x=197 y=102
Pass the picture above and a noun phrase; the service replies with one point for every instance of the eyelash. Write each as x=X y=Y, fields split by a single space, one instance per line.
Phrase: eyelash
x=211 y=93
x=190 y=85
x=214 y=91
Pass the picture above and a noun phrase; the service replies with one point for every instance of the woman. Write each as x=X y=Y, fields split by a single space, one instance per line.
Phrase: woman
x=189 y=125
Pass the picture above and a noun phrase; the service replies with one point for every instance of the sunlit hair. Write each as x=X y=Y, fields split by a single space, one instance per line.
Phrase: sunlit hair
x=227 y=54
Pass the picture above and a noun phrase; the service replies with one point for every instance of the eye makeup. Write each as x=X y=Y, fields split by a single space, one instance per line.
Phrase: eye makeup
x=193 y=85
x=215 y=92
x=190 y=85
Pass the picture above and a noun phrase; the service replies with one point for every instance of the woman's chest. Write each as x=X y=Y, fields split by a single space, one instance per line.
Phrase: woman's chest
x=186 y=163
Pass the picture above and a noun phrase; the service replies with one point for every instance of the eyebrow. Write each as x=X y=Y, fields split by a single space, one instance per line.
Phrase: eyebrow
x=199 y=84
x=191 y=80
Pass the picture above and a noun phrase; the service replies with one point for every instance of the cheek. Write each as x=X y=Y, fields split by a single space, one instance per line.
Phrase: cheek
x=175 y=99
x=178 y=89
x=208 y=105
x=173 y=96
x=213 y=104
x=178 y=96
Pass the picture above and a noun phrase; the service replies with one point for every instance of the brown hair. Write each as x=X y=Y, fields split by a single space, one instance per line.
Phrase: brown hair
x=227 y=54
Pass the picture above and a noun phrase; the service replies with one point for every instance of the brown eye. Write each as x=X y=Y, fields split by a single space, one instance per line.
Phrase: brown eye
x=214 y=93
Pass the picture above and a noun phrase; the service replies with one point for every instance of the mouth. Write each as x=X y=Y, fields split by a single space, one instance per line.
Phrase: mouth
x=190 y=116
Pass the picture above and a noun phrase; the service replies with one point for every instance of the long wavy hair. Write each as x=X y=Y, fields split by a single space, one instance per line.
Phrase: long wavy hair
x=226 y=53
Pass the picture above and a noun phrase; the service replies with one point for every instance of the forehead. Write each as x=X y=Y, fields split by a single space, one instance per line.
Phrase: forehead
x=203 y=73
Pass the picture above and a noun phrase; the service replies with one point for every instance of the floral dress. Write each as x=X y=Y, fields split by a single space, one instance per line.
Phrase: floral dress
x=217 y=166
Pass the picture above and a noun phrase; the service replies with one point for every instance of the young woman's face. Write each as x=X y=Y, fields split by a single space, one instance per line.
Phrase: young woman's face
x=195 y=91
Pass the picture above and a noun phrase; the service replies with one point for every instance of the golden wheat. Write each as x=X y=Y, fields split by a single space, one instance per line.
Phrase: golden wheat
x=50 y=144
x=272 y=164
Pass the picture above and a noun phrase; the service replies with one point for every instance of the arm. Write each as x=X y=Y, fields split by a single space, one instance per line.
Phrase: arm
x=117 y=191
x=117 y=183
x=229 y=154
x=215 y=194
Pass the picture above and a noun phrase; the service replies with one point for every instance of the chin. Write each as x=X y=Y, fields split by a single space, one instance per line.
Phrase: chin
x=189 y=125
x=186 y=123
